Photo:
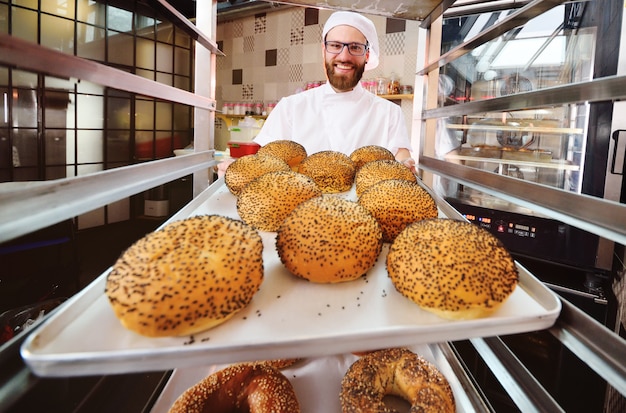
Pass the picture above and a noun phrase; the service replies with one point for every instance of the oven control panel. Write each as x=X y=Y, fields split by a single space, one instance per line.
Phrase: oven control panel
x=538 y=237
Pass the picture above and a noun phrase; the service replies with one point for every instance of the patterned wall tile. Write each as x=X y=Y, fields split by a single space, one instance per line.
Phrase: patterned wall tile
x=313 y=34
x=271 y=57
x=237 y=28
x=248 y=44
x=297 y=36
x=295 y=54
x=283 y=57
x=247 y=92
x=394 y=44
x=295 y=73
x=311 y=16
x=260 y=23
x=297 y=17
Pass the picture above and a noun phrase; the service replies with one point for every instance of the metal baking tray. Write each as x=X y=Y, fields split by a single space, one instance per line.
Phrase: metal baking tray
x=317 y=381
x=287 y=318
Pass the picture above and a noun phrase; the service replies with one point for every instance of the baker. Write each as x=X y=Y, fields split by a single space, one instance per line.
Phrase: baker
x=341 y=115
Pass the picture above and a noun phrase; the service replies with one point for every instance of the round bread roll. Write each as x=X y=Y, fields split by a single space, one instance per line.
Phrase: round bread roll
x=187 y=277
x=289 y=151
x=376 y=171
x=398 y=372
x=249 y=167
x=451 y=268
x=266 y=201
x=332 y=171
x=329 y=240
x=365 y=154
x=396 y=203
x=243 y=387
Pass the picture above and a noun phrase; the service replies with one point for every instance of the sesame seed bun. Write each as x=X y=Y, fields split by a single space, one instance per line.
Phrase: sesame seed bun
x=454 y=269
x=328 y=239
x=376 y=171
x=289 y=151
x=247 y=168
x=332 y=171
x=266 y=201
x=187 y=277
x=365 y=154
x=395 y=203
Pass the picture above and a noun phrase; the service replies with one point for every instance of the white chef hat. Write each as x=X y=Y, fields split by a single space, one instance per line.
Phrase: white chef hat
x=362 y=24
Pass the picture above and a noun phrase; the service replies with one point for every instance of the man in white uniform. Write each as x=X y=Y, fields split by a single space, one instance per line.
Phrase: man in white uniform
x=340 y=115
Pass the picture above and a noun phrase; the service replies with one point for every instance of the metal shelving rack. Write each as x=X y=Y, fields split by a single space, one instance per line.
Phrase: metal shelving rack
x=599 y=347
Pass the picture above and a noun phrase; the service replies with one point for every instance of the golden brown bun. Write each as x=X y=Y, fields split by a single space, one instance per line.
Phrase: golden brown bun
x=365 y=154
x=289 y=151
x=247 y=168
x=454 y=269
x=397 y=372
x=329 y=240
x=332 y=171
x=243 y=387
x=187 y=277
x=266 y=201
x=376 y=171
x=396 y=203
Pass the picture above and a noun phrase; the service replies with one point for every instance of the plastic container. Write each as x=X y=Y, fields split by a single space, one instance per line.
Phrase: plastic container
x=239 y=149
x=245 y=131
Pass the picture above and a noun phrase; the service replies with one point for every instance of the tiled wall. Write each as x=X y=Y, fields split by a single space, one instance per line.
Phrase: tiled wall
x=272 y=55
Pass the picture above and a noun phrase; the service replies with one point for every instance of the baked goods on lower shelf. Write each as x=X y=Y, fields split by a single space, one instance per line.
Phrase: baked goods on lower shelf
x=397 y=372
x=245 y=387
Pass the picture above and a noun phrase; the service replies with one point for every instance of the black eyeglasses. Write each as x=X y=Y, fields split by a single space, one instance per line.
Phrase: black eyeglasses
x=355 y=49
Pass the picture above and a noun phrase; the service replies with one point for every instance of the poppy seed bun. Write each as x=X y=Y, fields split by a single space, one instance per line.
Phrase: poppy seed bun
x=329 y=240
x=241 y=387
x=399 y=372
x=369 y=153
x=332 y=171
x=376 y=171
x=187 y=277
x=266 y=201
x=289 y=151
x=249 y=167
x=454 y=269
x=395 y=203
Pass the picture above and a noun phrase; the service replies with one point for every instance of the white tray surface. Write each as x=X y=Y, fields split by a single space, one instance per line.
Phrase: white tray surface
x=288 y=317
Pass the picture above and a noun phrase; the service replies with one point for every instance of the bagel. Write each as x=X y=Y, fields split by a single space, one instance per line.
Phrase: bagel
x=376 y=171
x=332 y=171
x=328 y=239
x=243 y=387
x=398 y=372
x=289 y=151
x=187 y=277
x=396 y=203
x=267 y=200
x=364 y=154
x=451 y=268
x=249 y=167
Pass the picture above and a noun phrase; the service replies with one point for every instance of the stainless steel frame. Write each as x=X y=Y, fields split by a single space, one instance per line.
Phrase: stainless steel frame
x=593 y=343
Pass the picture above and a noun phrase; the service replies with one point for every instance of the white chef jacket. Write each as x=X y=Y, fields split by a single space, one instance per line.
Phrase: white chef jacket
x=322 y=119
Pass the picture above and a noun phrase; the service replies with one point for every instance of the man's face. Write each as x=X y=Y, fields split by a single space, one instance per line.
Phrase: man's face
x=343 y=70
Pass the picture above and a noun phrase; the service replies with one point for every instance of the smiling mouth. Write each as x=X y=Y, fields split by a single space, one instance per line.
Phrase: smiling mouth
x=344 y=67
